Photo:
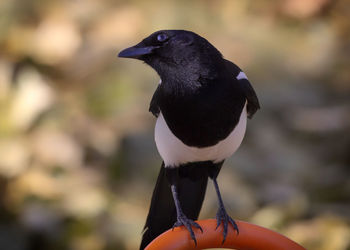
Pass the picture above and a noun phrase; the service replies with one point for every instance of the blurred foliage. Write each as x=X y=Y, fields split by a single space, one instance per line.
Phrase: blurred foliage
x=77 y=157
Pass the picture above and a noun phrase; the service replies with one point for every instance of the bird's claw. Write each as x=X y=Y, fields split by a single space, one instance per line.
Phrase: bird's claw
x=188 y=223
x=225 y=219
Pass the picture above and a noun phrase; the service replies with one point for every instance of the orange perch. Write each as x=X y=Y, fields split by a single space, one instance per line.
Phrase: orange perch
x=250 y=237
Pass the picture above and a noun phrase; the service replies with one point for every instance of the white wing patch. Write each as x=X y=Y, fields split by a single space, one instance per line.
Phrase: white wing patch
x=241 y=75
x=174 y=152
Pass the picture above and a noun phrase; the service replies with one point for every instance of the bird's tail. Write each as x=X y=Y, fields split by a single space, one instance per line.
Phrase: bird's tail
x=162 y=213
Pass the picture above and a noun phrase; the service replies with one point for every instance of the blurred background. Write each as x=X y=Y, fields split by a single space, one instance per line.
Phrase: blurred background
x=77 y=157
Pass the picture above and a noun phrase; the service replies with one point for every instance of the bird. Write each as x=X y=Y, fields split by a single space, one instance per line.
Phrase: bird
x=201 y=105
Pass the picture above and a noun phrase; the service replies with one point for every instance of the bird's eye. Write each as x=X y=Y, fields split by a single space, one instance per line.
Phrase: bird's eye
x=162 y=37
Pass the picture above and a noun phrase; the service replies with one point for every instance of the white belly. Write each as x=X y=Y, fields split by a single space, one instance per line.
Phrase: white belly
x=174 y=152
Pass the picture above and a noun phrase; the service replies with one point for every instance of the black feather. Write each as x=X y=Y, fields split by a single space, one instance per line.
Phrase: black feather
x=162 y=213
x=252 y=99
x=154 y=107
x=253 y=102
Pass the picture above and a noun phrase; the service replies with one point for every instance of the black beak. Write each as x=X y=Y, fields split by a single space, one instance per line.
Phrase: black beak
x=137 y=51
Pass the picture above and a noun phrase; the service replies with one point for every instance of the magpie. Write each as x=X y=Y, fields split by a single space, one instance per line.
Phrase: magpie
x=201 y=103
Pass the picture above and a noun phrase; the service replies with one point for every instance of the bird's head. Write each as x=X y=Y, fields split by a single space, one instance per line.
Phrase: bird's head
x=177 y=53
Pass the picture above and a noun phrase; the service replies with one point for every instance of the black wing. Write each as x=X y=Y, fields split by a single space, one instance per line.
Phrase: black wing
x=154 y=106
x=253 y=102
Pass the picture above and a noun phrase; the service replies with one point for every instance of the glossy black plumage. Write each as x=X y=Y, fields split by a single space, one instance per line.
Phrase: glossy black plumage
x=162 y=215
x=201 y=97
x=205 y=99
x=248 y=91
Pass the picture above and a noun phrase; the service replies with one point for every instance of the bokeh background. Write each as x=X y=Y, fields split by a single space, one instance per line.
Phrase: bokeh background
x=77 y=156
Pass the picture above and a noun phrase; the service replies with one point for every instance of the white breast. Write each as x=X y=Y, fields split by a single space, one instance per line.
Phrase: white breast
x=174 y=152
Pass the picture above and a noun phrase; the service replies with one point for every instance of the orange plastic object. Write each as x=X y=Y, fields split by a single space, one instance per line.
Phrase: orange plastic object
x=250 y=237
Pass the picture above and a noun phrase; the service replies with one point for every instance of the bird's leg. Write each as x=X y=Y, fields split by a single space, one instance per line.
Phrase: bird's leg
x=182 y=220
x=221 y=215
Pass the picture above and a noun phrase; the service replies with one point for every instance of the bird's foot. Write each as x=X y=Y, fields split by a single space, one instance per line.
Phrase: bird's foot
x=225 y=219
x=182 y=220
